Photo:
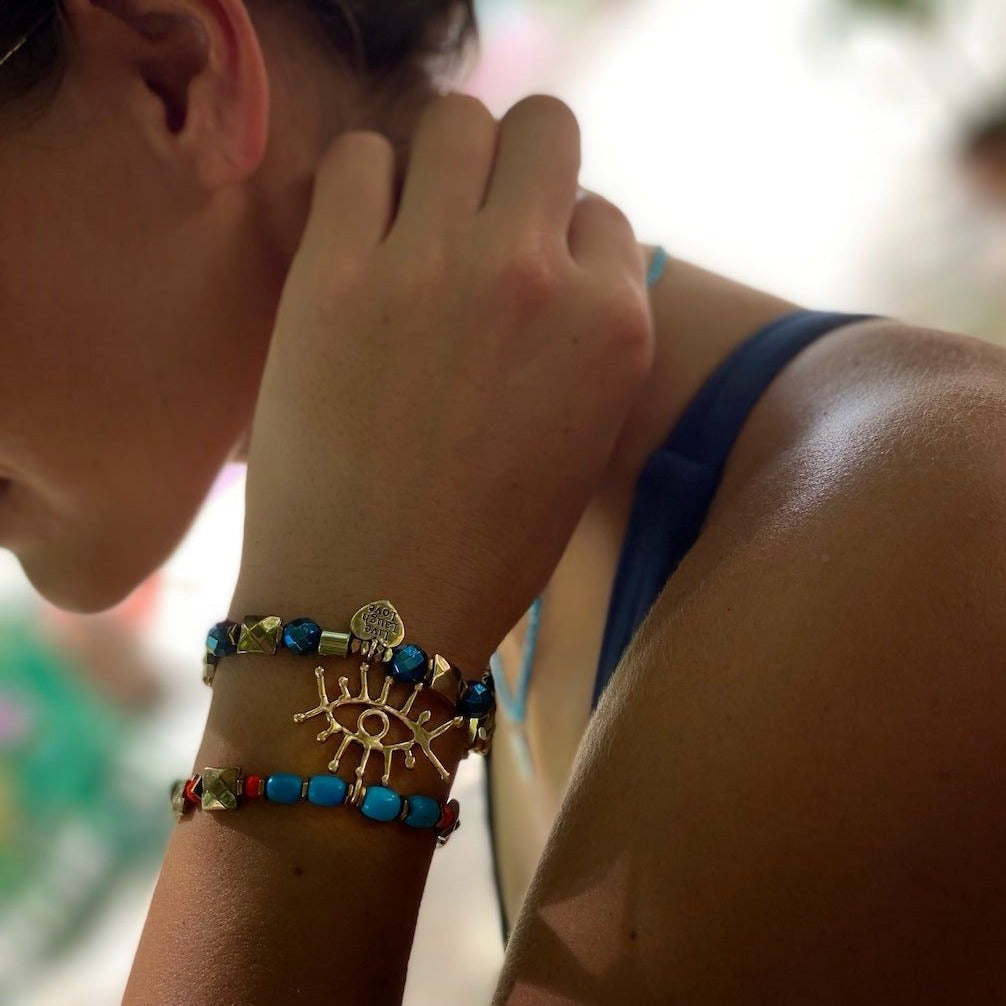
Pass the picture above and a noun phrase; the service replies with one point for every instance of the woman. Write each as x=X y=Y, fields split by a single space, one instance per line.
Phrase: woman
x=458 y=383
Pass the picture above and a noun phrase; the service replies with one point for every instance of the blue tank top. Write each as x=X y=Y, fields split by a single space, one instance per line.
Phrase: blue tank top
x=677 y=485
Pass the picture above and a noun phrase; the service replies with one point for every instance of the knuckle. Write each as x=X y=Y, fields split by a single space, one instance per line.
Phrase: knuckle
x=604 y=209
x=625 y=320
x=525 y=277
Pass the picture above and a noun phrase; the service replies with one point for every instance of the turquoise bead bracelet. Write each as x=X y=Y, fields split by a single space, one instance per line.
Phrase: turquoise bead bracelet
x=229 y=788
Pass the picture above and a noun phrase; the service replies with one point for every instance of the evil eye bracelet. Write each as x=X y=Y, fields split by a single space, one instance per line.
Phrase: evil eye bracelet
x=377 y=633
x=230 y=788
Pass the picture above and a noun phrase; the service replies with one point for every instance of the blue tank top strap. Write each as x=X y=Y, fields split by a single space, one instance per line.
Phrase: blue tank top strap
x=676 y=486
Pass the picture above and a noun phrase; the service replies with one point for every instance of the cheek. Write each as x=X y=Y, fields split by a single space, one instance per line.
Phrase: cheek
x=115 y=437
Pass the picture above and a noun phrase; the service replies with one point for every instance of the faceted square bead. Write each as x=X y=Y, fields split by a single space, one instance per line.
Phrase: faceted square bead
x=334 y=644
x=327 y=790
x=446 y=680
x=409 y=665
x=178 y=804
x=381 y=803
x=283 y=787
x=424 y=812
x=260 y=634
x=302 y=635
x=220 y=788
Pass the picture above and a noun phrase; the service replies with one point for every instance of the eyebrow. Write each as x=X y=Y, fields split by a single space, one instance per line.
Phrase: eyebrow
x=24 y=38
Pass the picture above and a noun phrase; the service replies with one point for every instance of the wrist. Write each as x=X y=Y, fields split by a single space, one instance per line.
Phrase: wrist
x=251 y=723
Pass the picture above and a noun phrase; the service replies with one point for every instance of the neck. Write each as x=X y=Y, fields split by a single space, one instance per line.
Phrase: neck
x=699 y=319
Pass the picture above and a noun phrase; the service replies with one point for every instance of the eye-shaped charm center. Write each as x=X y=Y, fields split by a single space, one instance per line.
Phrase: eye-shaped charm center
x=384 y=724
x=380 y=709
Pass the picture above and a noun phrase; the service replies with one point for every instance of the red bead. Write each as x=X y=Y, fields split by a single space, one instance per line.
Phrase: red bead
x=252 y=786
x=190 y=790
x=449 y=816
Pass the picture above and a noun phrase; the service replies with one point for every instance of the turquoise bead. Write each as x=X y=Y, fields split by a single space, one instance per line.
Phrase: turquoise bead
x=302 y=635
x=424 y=812
x=326 y=790
x=283 y=787
x=409 y=665
x=381 y=803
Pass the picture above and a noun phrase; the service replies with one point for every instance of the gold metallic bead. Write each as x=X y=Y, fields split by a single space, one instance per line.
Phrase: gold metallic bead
x=209 y=668
x=378 y=621
x=445 y=679
x=260 y=634
x=334 y=644
x=178 y=804
x=356 y=793
x=220 y=788
x=484 y=737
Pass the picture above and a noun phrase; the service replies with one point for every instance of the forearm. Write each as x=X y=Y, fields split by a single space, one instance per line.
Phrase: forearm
x=275 y=904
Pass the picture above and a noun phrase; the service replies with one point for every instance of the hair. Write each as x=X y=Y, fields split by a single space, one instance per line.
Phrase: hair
x=986 y=136
x=399 y=44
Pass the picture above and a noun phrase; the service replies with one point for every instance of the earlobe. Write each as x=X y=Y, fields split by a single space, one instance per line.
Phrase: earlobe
x=203 y=60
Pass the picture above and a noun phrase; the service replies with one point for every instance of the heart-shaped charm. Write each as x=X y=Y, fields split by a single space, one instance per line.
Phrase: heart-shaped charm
x=380 y=622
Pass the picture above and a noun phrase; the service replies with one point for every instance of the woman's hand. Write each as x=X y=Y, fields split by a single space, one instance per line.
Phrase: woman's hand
x=447 y=377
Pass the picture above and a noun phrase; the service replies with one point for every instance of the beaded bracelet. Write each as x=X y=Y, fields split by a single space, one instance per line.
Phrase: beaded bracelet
x=376 y=632
x=229 y=788
x=409 y=663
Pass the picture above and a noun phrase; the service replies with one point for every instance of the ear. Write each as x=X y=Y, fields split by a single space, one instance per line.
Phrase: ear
x=203 y=89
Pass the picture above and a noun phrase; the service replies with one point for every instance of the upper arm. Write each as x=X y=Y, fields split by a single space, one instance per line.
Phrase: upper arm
x=791 y=791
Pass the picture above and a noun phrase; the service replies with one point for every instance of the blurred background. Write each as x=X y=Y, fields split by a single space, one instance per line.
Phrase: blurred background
x=847 y=154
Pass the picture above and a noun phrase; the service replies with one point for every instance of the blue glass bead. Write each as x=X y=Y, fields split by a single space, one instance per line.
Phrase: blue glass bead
x=222 y=640
x=302 y=635
x=326 y=790
x=409 y=665
x=424 y=812
x=477 y=700
x=283 y=787
x=381 y=803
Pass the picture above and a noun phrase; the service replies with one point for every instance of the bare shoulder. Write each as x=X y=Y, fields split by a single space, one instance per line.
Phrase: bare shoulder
x=791 y=790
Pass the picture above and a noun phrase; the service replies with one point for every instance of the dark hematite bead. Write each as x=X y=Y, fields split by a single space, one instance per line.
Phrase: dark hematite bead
x=302 y=635
x=476 y=701
x=409 y=664
x=222 y=639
